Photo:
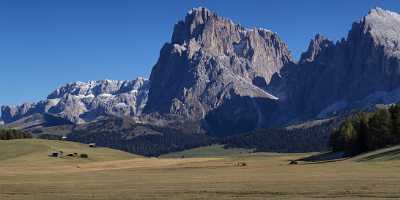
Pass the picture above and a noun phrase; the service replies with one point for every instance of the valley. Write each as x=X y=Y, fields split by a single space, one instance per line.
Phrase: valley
x=219 y=82
x=117 y=175
x=209 y=105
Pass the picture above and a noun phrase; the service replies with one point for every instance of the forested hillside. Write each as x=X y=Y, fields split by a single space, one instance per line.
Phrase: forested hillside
x=368 y=131
x=306 y=137
x=9 y=134
x=148 y=140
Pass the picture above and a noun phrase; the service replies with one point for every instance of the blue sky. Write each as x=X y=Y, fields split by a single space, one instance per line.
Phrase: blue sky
x=47 y=43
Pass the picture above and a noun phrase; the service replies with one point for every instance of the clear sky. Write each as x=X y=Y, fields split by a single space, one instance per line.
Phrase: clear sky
x=47 y=43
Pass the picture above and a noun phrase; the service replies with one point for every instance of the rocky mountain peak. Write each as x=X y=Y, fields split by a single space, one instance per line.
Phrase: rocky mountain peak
x=383 y=21
x=361 y=69
x=383 y=27
x=378 y=12
x=96 y=88
x=10 y=113
x=80 y=102
x=316 y=46
x=193 y=25
x=205 y=31
x=211 y=62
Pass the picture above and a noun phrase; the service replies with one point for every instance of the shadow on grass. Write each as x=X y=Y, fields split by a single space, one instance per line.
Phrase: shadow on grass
x=387 y=155
x=323 y=158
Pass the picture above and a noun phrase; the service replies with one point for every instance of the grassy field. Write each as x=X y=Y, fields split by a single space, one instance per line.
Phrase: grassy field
x=34 y=152
x=209 y=151
x=117 y=175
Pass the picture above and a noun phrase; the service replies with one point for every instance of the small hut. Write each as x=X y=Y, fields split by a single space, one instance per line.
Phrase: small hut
x=92 y=145
x=54 y=154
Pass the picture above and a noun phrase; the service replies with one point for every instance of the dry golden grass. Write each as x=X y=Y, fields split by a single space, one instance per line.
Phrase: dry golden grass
x=266 y=176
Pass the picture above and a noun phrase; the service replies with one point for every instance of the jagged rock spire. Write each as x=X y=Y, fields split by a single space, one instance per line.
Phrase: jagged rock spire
x=318 y=44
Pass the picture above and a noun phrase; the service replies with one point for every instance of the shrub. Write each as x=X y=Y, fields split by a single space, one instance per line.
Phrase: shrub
x=240 y=164
x=84 y=155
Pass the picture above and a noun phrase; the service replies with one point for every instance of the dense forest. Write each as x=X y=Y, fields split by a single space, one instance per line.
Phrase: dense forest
x=147 y=140
x=10 y=134
x=368 y=131
x=150 y=140
x=49 y=137
x=305 y=138
x=147 y=145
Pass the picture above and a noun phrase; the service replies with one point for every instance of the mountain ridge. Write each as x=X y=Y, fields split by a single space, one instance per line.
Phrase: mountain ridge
x=345 y=75
x=80 y=102
x=233 y=79
x=221 y=65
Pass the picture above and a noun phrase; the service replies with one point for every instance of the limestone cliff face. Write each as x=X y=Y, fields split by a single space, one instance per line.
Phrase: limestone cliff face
x=355 y=73
x=216 y=70
x=81 y=102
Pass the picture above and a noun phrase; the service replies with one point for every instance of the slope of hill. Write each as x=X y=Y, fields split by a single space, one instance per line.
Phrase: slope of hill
x=312 y=136
x=385 y=154
x=35 y=152
x=143 y=139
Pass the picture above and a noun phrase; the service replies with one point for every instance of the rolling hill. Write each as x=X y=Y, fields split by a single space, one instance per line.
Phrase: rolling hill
x=35 y=152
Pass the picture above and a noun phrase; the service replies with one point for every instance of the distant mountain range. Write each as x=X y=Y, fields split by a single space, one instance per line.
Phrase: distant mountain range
x=228 y=79
x=81 y=102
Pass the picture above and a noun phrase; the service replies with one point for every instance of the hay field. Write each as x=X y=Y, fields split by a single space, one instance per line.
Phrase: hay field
x=117 y=175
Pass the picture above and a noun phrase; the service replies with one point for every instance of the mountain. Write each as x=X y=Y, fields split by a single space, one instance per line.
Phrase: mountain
x=220 y=78
x=81 y=102
x=354 y=73
x=217 y=71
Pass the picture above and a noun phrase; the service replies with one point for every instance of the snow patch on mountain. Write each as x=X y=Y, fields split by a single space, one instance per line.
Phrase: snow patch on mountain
x=82 y=102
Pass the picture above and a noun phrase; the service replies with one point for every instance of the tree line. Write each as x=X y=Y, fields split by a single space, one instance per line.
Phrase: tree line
x=368 y=131
x=302 y=139
x=10 y=134
x=147 y=140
